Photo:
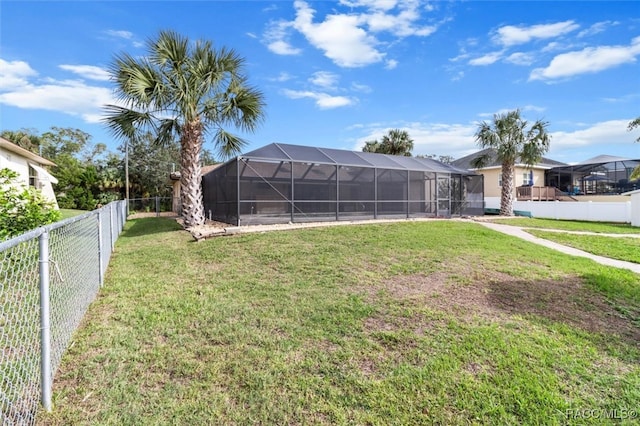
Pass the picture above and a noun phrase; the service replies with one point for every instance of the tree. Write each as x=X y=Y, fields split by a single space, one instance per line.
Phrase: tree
x=446 y=159
x=184 y=90
x=396 y=142
x=149 y=167
x=509 y=137
x=634 y=125
x=22 y=208
x=25 y=138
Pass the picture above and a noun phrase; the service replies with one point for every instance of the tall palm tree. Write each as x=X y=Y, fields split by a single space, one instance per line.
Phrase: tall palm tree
x=509 y=137
x=184 y=90
x=396 y=142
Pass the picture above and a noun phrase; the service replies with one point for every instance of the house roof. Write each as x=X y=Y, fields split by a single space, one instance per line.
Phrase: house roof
x=18 y=150
x=300 y=153
x=466 y=162
x=203 y=171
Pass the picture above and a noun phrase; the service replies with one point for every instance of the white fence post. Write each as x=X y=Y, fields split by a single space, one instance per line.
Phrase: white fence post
x=100 y=265
x=45 y=325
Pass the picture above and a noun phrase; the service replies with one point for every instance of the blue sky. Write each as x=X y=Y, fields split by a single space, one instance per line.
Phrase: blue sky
x=338 y=73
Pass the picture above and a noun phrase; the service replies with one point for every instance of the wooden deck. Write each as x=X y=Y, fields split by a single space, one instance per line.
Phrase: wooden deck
x=541 y=193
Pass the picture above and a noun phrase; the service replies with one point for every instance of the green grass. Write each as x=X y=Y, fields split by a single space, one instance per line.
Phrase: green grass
x=621 y=248
x=67 y=213
x=438 y=322
x=572 y=225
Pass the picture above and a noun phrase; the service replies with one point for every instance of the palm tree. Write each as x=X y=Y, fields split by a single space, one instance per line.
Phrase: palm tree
x=509 y=137
x=396 y=142
x=184 y=90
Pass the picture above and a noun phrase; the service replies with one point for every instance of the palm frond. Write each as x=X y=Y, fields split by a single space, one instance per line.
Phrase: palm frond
x=228 y=144
x=126 y=123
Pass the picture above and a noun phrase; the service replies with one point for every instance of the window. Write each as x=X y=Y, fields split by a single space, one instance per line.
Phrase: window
x=527 y=179
x=500 y=180
x=32 y=177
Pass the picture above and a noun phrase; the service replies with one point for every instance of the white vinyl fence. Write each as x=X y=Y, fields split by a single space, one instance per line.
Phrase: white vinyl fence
x=592 y=211
x=48 y=278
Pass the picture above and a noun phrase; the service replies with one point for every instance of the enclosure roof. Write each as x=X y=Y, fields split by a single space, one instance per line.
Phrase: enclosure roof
x=602 y=159
x=467 y=161
x=300 y=153
x=600 y=162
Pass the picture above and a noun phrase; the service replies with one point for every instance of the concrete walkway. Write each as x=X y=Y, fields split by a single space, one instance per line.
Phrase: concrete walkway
x=517 y=231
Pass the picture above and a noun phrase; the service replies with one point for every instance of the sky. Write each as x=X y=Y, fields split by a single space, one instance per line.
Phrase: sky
x=338 y=73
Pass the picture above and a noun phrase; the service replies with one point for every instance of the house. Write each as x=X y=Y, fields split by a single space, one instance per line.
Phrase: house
x=30 y=168
x=174 y=177
x=281 y=183
x=492 y=172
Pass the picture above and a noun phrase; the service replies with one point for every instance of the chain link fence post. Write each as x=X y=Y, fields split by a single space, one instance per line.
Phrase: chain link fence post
x=100 y=263
x=45 y=325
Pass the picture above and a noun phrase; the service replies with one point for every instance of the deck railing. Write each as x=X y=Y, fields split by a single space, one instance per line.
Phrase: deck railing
x=538 y=193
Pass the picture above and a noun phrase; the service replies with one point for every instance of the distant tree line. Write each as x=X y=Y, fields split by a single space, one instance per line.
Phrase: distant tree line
x=90 y=175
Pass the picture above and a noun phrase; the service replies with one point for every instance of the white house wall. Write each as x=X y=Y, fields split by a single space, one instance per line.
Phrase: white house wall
x=18 y=164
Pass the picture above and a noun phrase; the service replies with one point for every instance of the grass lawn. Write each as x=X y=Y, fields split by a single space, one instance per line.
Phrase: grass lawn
x=614 y=247
x=439 y=322
x=572 y=225
x=67 y=213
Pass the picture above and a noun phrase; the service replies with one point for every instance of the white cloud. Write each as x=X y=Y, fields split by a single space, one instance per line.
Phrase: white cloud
x=14 y=74
x=339 y=36
x=501 y=111
x=127 y=35
x=596 y=28
x=487 y=59
x=361 y=88
x=276 y=38
x=428 y=138
x=68 y=97
x=72 y=97
x=391 y=64
x=281 y=47
x=350 y=39
x=588 y=60
x=88 y=71
x=324 y=79
x=323 y=100
x=520 y=58
x=604 y=133
x=511 y=35
x=374 y=4
x=282 y=77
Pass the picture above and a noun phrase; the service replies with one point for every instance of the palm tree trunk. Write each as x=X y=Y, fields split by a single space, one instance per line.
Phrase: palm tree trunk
x=190 y=174
x=506 y=199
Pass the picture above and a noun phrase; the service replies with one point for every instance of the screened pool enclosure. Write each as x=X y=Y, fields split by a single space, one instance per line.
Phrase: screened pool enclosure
x=282 y=183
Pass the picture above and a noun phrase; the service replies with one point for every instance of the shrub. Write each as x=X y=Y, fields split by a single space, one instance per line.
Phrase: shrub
x=22 y=209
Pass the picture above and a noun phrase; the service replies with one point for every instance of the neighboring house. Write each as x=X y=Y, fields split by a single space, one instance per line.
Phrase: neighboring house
x=176 y=205
x=30 y=168
x=492 y=172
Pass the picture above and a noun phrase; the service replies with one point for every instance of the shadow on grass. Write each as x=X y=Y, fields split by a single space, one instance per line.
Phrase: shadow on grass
x=148 y=226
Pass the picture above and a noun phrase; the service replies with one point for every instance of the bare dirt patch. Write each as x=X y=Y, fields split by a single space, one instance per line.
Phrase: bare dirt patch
x=497 y=297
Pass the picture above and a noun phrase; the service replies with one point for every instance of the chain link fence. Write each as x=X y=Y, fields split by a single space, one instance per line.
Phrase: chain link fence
x=48 y=278
x=155 y=205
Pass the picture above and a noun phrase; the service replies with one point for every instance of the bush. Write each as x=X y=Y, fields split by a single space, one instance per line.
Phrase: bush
x=22 y=209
